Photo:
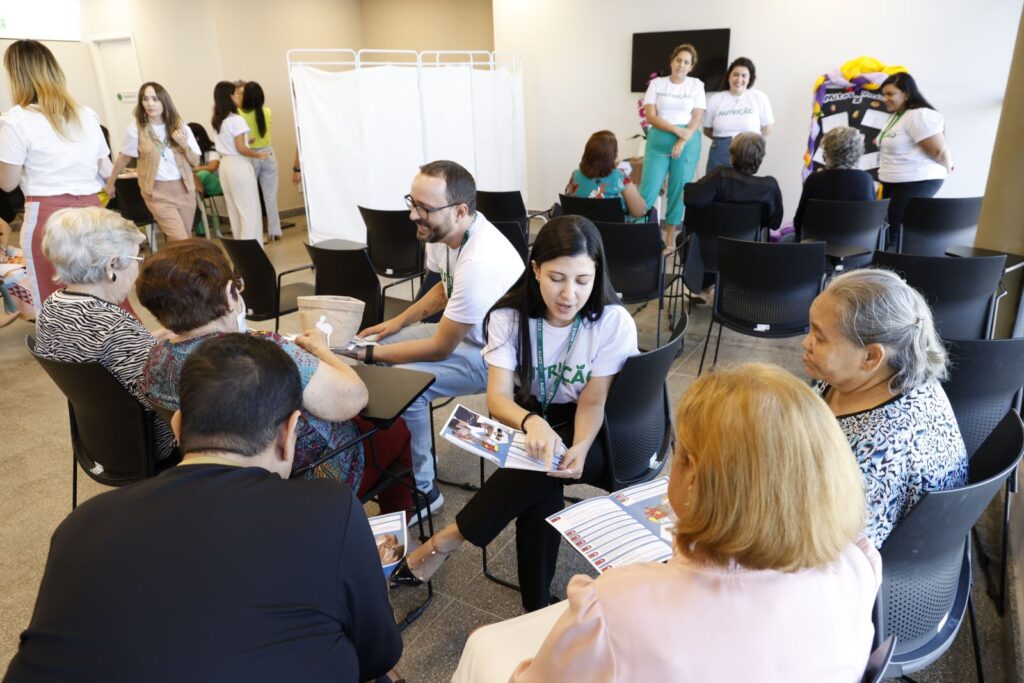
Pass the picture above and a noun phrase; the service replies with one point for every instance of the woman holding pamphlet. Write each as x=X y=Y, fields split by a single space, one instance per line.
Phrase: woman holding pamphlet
x=561 y=316
x=771 y=579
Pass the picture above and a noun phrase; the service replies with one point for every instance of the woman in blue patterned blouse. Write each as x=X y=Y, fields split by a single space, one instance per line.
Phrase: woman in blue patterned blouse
x=874 y=349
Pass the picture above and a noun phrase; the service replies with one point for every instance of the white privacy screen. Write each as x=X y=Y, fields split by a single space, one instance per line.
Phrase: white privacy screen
x=365 y=129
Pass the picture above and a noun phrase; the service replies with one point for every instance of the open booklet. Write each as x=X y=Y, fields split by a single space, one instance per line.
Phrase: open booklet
x=502 y=445
x=391 y=535
x=628 y=526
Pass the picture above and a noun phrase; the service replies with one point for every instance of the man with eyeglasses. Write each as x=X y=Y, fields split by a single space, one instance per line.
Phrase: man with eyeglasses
x=217 y=569
x=477 y=265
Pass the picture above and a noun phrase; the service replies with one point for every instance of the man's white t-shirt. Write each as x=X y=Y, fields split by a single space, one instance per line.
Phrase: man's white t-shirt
x=230 y=128
x=729 y=115
x=484 y=268
x=675 y=102
x=168 y=169
x=902 y=160
x=53 y=164
x=601 y=348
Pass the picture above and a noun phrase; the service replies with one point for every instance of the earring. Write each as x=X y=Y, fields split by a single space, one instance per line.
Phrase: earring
x=113 y=277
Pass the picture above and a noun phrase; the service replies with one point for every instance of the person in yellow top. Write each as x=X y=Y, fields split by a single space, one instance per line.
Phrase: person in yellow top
x=259 y=119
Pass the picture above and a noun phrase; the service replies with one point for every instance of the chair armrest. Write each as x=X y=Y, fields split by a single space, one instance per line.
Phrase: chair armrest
x=290 y=271
x=400 y=282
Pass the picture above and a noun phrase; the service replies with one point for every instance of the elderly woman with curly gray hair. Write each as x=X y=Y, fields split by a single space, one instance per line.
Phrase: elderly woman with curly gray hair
x=842 y=178
x=874 y=349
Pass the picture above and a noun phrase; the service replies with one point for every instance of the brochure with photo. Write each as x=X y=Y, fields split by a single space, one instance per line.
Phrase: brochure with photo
x=391 y=535
x=499 y=443
x=628 y=526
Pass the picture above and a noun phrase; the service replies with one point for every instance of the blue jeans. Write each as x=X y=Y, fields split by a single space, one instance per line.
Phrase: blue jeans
x=460 y=374
x=719 y=153
x=266 y=176
x=658 y=162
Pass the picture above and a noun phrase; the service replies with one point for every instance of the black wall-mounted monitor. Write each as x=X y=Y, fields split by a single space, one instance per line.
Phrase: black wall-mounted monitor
x=651 y=53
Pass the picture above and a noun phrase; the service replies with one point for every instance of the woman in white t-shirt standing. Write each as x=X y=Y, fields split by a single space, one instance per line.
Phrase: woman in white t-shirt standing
x=237 y=177
x=167 y=151
x=563 y=318
x=674 y=106
x=737 y=108
x=49 y=145
x=914 y=158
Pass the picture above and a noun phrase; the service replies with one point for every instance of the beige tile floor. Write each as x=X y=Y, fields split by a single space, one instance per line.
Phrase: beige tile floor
x=35 y=485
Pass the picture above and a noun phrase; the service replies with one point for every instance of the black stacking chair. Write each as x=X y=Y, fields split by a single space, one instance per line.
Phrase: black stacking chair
x=513 y=233
x=854 y=223
x=348 y=272
x=604 y=210
x=926 y=585
x=879 y=660
x=504 y=206
x=265 y=296
x=932 y=225
x=392 y=245
x=704 y=226
x=113 y=435
x=961 y=291
x=131 y=205
x=985 y=380
x=765 y=290
x=635 y=264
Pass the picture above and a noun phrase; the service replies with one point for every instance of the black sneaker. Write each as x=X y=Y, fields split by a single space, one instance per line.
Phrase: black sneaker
x=434 y=502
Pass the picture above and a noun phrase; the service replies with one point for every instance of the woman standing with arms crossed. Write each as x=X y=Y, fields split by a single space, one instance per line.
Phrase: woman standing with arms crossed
x=237 y=177
x=738 y=108
x=258 y=118
x=167 y=151
x=49 y=145
x=674 y=105
x=914 y=158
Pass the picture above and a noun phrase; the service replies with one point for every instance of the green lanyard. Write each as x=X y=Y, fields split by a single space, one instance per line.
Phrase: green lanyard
x=449 y=278
x=893 y=120
x=545 y=399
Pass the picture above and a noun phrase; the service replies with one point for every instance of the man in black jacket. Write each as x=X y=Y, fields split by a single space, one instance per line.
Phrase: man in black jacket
x=218 y=569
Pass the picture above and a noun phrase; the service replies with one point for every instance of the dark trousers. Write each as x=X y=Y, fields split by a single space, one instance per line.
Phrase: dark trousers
x=898 y=195
x=391 y=445
x=529 y=498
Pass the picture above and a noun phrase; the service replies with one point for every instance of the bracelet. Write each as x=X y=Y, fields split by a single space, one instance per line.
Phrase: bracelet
x=368 y=356
x=522 y=423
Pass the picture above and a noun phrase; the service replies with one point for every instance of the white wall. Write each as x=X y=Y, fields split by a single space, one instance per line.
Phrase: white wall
x=77 y=65
x=578 y=56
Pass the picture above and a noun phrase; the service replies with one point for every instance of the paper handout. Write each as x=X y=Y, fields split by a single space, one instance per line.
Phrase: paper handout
x=494 y=441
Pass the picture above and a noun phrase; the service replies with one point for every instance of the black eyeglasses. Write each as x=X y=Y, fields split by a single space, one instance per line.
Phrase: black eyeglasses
x=425 y=211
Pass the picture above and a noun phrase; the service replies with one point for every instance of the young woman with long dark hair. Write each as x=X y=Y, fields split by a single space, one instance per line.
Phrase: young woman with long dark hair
x=259 y=119
x=166 y=149
x=563 y=318
x=237 y=177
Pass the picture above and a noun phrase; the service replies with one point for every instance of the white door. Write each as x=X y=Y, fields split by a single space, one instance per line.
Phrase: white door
x=119 y=76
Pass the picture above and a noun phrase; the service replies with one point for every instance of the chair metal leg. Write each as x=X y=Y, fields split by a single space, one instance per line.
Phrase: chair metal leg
x=974 y=640
x=496 y=579
x=707 y=338
x=718 y=344
x=74 y=482
x=1004 y=566
x=657 y=333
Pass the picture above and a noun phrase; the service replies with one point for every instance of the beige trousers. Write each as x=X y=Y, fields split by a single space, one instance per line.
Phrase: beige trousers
x=173 y=207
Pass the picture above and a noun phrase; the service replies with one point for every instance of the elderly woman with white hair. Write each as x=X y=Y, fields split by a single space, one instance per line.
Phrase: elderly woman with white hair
x=842 y=178
x=874 y=349
x=95 y=253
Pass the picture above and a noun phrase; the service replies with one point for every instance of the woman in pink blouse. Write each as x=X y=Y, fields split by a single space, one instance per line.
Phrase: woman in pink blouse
x=771 y=579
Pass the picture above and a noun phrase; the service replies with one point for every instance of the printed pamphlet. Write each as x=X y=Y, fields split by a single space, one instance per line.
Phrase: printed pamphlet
x=489 y=439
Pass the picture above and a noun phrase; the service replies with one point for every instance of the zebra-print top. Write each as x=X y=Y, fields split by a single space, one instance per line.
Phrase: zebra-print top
x=80 y=328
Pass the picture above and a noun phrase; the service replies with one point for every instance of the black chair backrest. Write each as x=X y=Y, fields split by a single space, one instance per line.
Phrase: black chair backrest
x=635 y=264
x=879 y=660
x=856 y=223
x=985 y=380
x=925 y=557
x=252 y=264
x=512 y=232
x=112 y=434
x=391 y=243
x=931 y=225
x=130 y=202
x=721 y=219
x=960 y=291
x=348 y=272
x=604 y=210
x=503 y=206
x=767 y=289
x=638 y=421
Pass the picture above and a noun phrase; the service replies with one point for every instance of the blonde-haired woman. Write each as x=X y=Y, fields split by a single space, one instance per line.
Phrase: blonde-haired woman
x=51 y=146
x=769 y=561
x=167 y=151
